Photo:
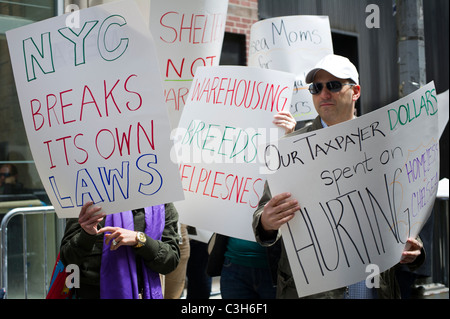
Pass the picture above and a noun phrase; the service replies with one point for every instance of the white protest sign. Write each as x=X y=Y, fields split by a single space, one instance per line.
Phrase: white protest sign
x=187 y=34
x=292 y=44
x=228 y=113
x=364 y=187
x=94 y=112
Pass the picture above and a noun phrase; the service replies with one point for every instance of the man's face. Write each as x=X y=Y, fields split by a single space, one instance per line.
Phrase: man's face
x=5 y=172
x=337 y=107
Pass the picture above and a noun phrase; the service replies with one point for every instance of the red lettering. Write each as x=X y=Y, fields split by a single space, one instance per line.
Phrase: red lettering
x=51 y=108
x=192 y=178
x=193 y=67
x=228 y=91
x=174 y=30
x=213 y=89
x=195 y=29
x=35 y=113
x=97 y=143
x=186 y=28
x=216 y=101
x=195 y=23
x=244 y=190
x=178 y=72
x=181 y=97
x=81 y=149
x=108 y=95
x=65 y=148
x=238 y=187
x=49 y=153
x=63 y=106
x=214 y=184
x=278 y=100
x=151 y=141
x=243 y=96
x=256 y=193
x=205 y=88
x=133 y=92
x=86 y=88
x=207 y=184
x=184 y=176
x=126 y=138
x=200 y=180
x=196 y=88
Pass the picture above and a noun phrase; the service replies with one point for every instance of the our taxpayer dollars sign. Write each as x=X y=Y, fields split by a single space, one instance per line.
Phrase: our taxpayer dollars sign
x=93 y=107
x=364 y=187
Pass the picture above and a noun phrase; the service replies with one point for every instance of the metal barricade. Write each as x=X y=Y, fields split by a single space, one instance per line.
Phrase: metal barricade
x=35 y=227
x=441 y=242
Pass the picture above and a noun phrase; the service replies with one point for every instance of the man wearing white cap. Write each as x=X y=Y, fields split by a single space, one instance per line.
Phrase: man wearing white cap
x=335 y=89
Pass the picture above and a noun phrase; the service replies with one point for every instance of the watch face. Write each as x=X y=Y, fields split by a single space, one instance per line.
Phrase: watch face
x=141 y=237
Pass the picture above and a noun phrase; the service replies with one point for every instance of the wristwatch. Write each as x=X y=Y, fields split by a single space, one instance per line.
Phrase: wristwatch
x=141 y=239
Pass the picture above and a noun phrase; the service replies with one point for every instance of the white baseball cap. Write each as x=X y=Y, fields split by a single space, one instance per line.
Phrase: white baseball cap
x=336 y=65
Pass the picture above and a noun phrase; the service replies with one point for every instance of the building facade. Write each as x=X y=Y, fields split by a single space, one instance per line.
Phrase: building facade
x=375 y=47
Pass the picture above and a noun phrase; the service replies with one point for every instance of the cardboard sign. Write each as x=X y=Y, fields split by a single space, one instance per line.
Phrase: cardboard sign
x=188 y=34
x=228 y=113
x=94 y=112
x=292 y=44
x=364 y=186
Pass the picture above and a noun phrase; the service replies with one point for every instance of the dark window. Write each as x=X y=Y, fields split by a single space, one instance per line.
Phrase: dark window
x=233 y=49
x=347 y=45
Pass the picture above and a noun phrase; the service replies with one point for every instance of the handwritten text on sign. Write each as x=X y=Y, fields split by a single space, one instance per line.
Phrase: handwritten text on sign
x=94 y=111
x=292 y=44
x=188 y=34
x=229 y=112
x=364 y=187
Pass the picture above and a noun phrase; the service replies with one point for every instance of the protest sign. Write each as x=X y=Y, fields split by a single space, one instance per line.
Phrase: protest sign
x=229 y=111
x=292 y=44
x=94 y=112
x=364 y=186
x=187 y=34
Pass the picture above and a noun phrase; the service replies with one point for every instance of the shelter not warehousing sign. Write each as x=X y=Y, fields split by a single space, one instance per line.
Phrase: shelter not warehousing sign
x=188 y=34
x=94 y=112
x=364 y=187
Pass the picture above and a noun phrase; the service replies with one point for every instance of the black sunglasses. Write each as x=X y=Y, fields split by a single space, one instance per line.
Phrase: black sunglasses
x=332 y=86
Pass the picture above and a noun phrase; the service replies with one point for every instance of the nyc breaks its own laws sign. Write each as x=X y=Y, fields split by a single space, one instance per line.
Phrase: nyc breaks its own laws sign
x=364 y=187
x=93 y=107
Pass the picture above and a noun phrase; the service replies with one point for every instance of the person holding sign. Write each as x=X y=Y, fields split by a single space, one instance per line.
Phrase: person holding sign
x=121 y=256
x=335 y=89
x=244 y=266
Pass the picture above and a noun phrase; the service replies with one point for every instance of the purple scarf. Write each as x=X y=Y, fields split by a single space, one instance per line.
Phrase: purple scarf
x=118 y=277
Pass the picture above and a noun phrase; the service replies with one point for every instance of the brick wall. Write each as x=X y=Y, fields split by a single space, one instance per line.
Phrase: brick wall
x=241 y=15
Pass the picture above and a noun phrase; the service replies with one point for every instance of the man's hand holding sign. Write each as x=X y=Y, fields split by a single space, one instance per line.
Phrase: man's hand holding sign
x=330 y=238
